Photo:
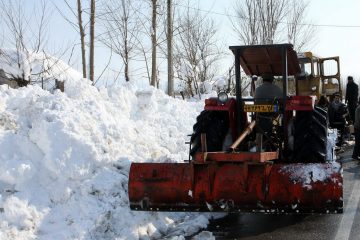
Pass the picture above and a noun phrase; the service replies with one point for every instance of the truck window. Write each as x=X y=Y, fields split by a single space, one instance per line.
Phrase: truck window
x=305 y=66
x=330 y=67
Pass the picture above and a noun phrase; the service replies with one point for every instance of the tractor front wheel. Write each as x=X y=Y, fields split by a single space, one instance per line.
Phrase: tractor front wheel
x=215 y=124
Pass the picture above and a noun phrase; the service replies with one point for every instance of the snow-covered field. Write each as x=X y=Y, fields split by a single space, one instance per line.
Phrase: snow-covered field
x=65 y=160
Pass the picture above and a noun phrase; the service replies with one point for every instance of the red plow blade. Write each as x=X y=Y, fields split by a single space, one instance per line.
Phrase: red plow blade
x=231 y=187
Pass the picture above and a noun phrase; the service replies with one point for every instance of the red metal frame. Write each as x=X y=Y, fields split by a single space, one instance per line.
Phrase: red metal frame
x=300 y=103
x=259 y=157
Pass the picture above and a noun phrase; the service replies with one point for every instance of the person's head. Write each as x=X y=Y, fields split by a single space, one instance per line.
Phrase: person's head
x=336 y=97
x=268 y=78
x=323 y=101
x=350 y=79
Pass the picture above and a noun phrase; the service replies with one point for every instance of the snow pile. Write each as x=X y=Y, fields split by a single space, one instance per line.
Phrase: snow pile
x=65 y=160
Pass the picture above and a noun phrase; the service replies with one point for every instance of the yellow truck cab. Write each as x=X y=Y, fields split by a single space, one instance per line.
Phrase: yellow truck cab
x=319 y=76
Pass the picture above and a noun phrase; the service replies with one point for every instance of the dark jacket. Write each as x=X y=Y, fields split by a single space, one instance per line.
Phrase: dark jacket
x=357 y=118
x=352 y=92
x=336 y=113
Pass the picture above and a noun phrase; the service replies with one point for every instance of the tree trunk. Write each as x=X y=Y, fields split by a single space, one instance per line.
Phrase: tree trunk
x=92 y=37
x=82 y=38
x=127 y=78
x=126 y=47
x=153 y=44
x=170 y=49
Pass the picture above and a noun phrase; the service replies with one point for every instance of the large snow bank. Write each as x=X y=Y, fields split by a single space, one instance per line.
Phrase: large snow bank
x=65 y=160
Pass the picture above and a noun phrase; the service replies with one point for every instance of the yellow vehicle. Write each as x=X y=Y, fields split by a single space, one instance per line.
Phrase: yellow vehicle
x=319 y=76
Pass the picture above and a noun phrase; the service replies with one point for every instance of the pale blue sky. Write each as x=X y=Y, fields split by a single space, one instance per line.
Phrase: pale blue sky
x=342 y=40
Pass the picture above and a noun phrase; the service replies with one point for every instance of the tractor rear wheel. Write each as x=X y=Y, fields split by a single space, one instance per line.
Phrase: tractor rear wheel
x=215 y=124
x=310 y=135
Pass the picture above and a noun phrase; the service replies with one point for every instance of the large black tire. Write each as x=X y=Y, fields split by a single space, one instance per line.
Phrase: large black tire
x=215 y=124
x=310 y=136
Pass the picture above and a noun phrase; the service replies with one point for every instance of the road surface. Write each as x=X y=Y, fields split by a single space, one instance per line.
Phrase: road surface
x=344 y=226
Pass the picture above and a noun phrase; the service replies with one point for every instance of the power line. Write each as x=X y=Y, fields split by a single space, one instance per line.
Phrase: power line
x=233 y=16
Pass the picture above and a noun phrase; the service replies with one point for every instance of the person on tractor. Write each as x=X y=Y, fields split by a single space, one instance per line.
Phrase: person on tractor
x=267 y=93
x=267 y=90
x=337 y=117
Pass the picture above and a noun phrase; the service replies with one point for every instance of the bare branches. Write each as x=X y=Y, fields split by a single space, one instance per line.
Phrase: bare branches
x=299 y=34
x=248 y=29
x=196 y=50
x=271 y=13
x=27 y=33
x=41 y=39
x=122 y=33
x=259 y=22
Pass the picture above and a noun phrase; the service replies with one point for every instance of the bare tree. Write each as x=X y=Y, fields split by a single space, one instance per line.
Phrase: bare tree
x=271 y=13
x=153 y=43
x=247 y=27
x=300 y=34
x=79 y=26
x=22 y=36
x=92 y=39
x=196 y=50
x=82 y=37
x=170 y=48
x=152 y=38
x=265 y=21
x=27 y=34
x=122 y=25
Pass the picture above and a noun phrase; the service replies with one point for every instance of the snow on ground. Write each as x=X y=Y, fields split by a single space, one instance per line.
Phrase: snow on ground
x=65 y=160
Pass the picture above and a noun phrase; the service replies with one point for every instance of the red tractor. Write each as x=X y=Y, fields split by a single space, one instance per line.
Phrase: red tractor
x=235 y=166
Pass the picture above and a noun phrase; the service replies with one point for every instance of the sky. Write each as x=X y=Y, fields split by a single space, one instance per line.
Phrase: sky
x=337 y=34
x=337 y=30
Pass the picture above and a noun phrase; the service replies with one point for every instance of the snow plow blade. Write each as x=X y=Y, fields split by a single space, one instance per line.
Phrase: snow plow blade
x=236 y=187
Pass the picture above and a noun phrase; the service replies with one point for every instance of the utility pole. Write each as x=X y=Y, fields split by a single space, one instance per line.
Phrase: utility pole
x=170 y=49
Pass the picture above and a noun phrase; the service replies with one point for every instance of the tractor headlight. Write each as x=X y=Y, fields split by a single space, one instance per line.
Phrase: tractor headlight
x=223 y=97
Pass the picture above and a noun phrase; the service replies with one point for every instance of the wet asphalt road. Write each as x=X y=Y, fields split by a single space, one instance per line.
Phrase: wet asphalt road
x=344 y=226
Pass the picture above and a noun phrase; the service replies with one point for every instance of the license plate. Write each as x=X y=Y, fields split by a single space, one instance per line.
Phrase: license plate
x=260 y=108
